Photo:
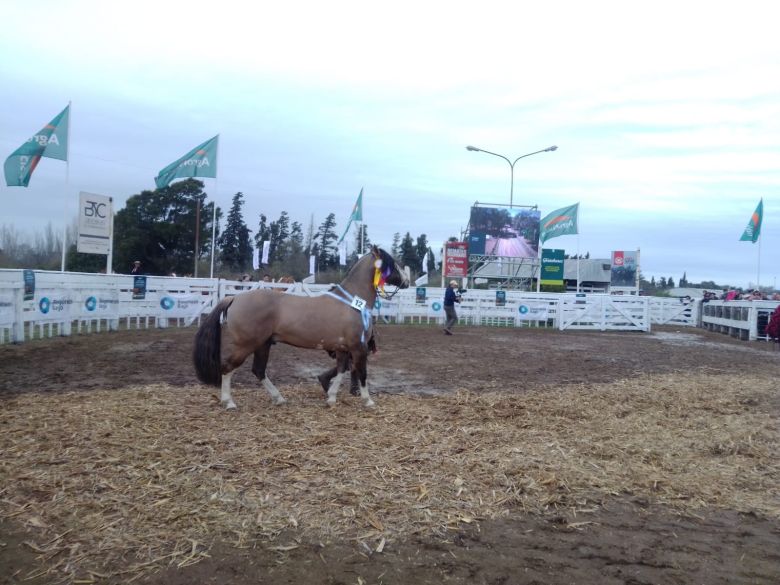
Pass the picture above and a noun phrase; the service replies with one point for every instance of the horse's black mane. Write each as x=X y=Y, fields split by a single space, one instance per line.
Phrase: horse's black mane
x=387 y=259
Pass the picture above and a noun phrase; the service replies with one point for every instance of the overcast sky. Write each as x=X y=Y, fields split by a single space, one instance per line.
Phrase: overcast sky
x=666 y=115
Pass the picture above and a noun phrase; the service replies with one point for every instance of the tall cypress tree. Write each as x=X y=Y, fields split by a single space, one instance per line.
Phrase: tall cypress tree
x=234 y=242
x=326 y=239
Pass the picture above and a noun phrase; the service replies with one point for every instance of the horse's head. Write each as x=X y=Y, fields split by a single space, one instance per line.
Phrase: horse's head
x=388 y=271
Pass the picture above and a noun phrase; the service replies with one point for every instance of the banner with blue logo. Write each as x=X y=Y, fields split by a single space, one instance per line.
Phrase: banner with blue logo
x=100 y=304
x=53 y=305
x=175 y=306
x=531 y=311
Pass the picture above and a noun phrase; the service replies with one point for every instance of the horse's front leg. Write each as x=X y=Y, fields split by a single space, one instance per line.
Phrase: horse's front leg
x=342 y=362
x=360 y=368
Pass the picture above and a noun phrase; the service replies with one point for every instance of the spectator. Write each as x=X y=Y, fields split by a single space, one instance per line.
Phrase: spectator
x=450 y=298
x=136 y=268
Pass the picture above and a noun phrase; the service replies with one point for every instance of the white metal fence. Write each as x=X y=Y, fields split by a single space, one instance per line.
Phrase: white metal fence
x=67 y=303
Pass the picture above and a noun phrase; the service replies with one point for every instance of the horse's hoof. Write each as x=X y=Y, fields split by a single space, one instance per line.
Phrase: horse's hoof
x=231 y=406
x=370 y=403
x=279 y=401
x=330 y=403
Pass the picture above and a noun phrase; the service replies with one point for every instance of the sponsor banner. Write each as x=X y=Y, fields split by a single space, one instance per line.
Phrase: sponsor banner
x=456 y=260
x=29 y=284
x=7 y=310
x=624 y=268
x=100 y=304
x=139 y=288
x=94 y=224
x=419 y=296
x=53 y=305
x=552 y=267
x=511 y=233
x=500 y=298
x=435 y=308
x=528 y=311
x=385 y=307
x=178 y=305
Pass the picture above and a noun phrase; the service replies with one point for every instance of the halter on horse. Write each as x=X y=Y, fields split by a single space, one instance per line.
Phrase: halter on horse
x=337 y=321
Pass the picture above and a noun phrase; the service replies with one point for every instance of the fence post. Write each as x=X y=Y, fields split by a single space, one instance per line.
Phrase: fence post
x=18 y=328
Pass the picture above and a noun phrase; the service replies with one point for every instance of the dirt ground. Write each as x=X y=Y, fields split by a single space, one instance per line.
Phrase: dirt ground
x=626 y=539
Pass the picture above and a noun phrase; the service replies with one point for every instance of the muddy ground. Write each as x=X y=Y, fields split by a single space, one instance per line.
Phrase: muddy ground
x=627 y=540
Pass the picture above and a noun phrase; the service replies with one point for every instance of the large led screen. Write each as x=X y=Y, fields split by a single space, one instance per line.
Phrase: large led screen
x=506 y=232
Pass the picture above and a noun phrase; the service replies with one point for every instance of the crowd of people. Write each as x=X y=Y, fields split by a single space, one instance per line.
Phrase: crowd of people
x=739 y=295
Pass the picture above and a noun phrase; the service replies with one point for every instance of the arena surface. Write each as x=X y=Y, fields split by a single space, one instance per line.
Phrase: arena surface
x=493 y=456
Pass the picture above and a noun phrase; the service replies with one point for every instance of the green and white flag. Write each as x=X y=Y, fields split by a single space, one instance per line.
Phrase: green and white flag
x=357 y=214
x=50 y=142
x=560 y=222
x=753 y=229
x=201 y=161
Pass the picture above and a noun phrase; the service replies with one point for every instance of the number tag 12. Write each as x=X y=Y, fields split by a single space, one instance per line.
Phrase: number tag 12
x=358 y=303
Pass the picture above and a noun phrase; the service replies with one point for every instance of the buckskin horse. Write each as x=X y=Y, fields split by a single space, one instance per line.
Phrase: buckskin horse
x=337 y=321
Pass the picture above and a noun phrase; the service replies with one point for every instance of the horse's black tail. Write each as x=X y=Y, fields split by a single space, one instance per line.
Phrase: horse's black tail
x=206 y=354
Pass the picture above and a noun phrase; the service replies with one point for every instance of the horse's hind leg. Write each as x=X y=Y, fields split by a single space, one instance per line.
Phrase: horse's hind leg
x=226 y=397
x=258 y=369
x=360 y=368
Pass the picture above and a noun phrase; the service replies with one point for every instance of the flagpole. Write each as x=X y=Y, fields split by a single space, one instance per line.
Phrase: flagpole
x=758 y=269
x=67 y=190
x=214 y=211
x=539 y=267
x=110 y=256
x=578 y=258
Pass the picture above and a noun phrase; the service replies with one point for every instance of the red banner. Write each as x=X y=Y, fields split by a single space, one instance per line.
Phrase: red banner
x=456 y=259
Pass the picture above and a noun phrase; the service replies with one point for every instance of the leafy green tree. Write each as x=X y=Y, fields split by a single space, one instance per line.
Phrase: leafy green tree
x=235 y=244
x=159 y=229
x=670 y=282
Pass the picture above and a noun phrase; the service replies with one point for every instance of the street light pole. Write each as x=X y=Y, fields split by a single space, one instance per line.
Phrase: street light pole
x=511 y=165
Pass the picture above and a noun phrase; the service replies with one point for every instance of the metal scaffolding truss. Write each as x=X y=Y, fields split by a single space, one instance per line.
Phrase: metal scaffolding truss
x=507 y=273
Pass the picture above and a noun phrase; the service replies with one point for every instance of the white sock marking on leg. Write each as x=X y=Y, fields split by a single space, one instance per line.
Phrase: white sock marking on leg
x=334 y=388
x=365 y=395
x=226 y=398
x=276 y=396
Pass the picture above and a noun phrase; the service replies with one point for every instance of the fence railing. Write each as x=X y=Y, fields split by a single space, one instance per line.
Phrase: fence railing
x=64 y=303
x=742 y=319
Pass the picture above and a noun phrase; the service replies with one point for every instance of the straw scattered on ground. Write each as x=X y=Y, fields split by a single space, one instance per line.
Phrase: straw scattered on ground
x=116 y=483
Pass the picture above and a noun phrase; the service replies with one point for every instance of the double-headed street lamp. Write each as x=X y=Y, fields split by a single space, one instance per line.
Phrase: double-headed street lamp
x=511 y=165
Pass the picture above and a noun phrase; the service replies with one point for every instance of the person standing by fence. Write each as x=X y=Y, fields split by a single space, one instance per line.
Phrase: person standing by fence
x=450 y=298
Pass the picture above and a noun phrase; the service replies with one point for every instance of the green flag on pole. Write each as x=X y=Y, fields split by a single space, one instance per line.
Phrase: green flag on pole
x=50 y=142
x=357 y=215
x=560 y=222
x=201 y=161
x=753 y=229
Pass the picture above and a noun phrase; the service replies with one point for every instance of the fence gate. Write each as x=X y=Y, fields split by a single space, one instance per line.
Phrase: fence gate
x=604 y=312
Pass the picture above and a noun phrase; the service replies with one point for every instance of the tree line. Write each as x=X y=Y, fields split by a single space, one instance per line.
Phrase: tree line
x=168 y=229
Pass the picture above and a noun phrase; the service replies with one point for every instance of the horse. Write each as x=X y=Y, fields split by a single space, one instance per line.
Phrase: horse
x=337 y=321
